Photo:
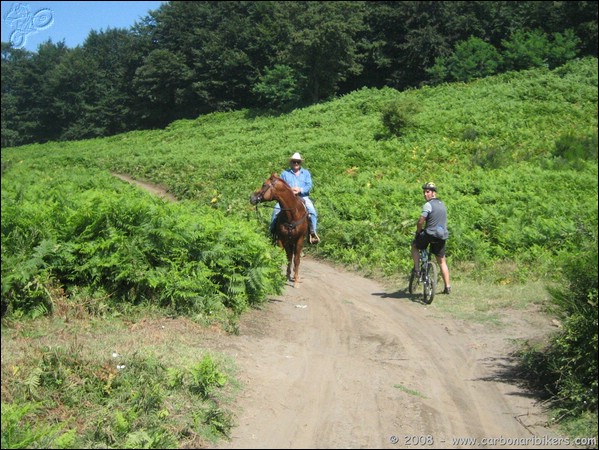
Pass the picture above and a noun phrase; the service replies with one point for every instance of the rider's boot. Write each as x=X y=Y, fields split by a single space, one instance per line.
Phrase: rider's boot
x=314 y=239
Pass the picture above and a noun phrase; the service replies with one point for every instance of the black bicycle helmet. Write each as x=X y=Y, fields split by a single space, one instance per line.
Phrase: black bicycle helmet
x=429 y=186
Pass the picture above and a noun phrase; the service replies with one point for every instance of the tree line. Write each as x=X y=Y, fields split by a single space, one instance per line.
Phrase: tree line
x=186 y=59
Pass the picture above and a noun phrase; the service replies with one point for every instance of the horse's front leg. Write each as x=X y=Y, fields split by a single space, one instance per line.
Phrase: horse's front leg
x=289 y=252
x=296 y=262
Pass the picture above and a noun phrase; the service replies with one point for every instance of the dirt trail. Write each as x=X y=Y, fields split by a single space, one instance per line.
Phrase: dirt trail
x=342 y=362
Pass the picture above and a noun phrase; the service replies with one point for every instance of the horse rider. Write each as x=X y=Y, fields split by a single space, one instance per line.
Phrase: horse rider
x=300 y=181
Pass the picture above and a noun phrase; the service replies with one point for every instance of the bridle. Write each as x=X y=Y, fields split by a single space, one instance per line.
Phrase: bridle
x=260 y=196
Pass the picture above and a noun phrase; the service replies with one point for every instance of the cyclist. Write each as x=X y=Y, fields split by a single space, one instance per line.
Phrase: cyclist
x=432 y=230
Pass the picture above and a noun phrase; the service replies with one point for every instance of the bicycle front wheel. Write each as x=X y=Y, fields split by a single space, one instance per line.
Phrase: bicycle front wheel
x=430 y=283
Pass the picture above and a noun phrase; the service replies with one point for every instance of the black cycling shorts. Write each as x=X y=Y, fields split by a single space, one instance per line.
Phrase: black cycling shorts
x=423 y=240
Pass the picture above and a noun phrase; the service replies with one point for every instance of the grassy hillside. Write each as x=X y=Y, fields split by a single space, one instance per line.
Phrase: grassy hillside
x=510 y=154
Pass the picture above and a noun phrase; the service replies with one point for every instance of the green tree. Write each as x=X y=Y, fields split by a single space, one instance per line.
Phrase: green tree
x=405 y=38
x=70 y=88
x=556 y=17
x=278 y=88
x=525 y=49
x=322 y=46
x=13 y=63
x=223 y=44
x=471 y=59
x=563 y=48
x=110 y=105
x=33 y=87
x=161 y=84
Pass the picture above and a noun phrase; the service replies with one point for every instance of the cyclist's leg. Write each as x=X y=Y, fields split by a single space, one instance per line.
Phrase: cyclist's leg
x=418 y=243
x=439 y=251
x=415 y=257
x=444 y=272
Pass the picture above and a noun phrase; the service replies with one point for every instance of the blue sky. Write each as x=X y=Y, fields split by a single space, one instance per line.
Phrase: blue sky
x=36 y=22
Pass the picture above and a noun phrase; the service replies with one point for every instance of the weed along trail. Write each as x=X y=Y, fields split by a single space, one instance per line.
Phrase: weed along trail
x=343 y=362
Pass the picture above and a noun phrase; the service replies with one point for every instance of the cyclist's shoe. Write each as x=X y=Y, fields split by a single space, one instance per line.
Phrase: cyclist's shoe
x=447 y=290
x=314 y=239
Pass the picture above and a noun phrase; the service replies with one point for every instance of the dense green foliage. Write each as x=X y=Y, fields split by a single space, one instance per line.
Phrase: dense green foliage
x=81 y=229
x=509 y=154
x=190 y=58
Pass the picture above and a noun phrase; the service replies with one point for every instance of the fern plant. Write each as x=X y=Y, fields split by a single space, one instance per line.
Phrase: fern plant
x=15 y=434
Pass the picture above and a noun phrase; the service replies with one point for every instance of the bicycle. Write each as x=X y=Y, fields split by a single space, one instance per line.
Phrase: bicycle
x=427 y=277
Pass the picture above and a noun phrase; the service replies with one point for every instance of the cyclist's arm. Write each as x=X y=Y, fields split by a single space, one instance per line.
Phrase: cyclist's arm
x=420 y=224
x=426 y=210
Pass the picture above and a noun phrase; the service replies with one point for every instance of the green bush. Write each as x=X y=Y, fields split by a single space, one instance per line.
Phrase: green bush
x=573 y=353
x=206 y=377
x=398 y=115
x=17 y=432
x=131 y=401
x=278 y=88
x=572 y=147
x=68 y=232
x=475 y=58
x=526 y=49
x=567 y=368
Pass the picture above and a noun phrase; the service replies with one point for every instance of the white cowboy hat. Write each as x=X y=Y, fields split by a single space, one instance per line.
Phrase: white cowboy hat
x=296 y=157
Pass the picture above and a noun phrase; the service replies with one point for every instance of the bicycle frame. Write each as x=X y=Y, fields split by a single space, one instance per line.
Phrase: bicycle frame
x=427 y=277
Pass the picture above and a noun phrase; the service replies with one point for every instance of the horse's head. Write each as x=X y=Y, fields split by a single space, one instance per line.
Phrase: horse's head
x=267 y=192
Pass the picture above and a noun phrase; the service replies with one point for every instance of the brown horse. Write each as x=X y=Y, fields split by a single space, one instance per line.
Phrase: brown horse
x=291 y=225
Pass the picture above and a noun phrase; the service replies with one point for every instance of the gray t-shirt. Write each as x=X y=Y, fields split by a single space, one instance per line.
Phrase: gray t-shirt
x=436 y=218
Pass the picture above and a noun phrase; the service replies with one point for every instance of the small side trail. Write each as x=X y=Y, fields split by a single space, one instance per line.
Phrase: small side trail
x=155 y=189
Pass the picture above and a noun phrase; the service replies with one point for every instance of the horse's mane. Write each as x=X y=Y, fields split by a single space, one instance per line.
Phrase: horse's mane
x=278 y=178
x=286 y=187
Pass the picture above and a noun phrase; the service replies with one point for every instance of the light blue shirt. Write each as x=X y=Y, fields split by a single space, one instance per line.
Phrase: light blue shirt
x=303 y=180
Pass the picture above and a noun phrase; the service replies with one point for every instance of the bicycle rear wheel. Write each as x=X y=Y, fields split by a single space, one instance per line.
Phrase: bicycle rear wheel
x=430 y=283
